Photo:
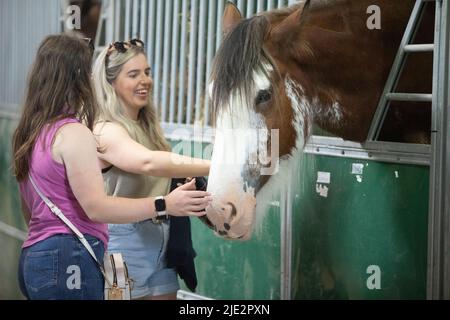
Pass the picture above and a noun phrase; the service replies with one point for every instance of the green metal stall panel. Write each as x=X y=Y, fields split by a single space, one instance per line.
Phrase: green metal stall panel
x=366 y=237
x=10 y=216
x=239 y=270
x=359 y=231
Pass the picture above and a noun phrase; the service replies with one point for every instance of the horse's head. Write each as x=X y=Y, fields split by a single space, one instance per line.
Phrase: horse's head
x=276 y=73
x=255 y=123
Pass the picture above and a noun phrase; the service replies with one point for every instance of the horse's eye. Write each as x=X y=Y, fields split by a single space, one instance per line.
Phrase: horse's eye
x=263 y=96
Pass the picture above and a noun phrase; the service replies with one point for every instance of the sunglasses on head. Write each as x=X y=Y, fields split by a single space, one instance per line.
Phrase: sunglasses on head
x=90 y=43
x=123 y=46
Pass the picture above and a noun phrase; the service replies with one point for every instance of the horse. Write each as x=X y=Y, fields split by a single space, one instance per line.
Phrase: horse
x=280 y=72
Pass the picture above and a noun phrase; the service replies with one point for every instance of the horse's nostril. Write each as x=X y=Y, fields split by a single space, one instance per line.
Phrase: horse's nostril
x=233 y=210
x=227 y=226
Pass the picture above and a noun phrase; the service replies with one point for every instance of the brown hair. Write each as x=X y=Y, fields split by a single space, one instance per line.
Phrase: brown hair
x=59 y=86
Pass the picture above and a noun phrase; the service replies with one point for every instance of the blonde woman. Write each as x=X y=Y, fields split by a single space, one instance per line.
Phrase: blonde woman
x=137 y=162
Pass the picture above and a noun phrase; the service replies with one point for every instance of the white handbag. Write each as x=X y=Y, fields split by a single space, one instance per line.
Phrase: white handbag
x=118 y=288
x=115 y=272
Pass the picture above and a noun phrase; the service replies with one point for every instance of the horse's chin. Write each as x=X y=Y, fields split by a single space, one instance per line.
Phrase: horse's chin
x=234 y=232
x=243 y=237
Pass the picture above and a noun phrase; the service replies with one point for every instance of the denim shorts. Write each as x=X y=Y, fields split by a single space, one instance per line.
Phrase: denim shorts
x=60 y=268
x=143 y=246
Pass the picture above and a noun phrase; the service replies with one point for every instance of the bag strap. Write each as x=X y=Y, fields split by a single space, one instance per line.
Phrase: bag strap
x=57 y=212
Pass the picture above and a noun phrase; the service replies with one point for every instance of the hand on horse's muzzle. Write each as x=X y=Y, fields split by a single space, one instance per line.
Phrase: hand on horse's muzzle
x=201 y=183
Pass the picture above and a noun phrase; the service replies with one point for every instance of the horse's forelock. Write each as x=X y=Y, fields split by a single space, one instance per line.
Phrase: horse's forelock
x=238 y=58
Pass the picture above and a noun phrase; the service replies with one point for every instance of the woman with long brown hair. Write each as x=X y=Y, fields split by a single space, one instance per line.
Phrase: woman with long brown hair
x=53 y=145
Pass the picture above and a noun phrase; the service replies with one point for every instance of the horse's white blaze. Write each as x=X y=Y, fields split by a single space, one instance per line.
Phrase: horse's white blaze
x=237 y=145
x=236 y=140
x=261 y=81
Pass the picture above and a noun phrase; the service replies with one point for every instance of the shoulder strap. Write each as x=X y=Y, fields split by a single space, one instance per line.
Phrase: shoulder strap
x=57 y=212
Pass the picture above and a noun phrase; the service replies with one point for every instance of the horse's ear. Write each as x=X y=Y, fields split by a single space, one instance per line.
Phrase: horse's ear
x=289 y=24
x=231 y=17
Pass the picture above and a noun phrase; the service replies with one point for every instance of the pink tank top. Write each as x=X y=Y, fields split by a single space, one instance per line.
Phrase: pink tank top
x=51 y=178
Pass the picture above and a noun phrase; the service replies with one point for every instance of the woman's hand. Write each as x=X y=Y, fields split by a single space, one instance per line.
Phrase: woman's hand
x=186 y=201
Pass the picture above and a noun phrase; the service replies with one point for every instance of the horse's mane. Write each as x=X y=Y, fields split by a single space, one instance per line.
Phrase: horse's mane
x=240 y=55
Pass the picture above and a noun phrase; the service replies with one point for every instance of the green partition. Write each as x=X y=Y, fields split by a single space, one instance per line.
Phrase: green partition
x=374 y=220
x=10 y=214
x=239 y=270
x=9 y=285
x=367 y=239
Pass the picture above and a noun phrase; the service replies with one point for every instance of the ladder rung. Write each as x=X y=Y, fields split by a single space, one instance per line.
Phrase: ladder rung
x=419 y=47
x=412 y=97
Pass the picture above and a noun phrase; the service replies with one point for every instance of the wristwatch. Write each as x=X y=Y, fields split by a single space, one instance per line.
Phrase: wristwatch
x=160 y=205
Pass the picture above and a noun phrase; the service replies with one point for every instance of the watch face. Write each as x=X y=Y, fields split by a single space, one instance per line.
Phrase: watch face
x=160 y=205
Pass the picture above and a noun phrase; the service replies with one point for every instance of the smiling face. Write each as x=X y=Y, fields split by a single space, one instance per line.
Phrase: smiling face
x=133 y=85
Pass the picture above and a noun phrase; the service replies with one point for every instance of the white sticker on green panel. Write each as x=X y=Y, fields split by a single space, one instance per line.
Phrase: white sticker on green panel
x=324 y=177
x=357 y=168
x=322 y=190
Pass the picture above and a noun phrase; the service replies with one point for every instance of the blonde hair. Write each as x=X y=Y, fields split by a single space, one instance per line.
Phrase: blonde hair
x=105 y=71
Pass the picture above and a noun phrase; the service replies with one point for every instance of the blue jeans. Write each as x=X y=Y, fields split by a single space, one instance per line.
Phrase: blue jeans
x=60 y=268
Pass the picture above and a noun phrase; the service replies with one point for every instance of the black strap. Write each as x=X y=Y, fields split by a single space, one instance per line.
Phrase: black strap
x=105 y=170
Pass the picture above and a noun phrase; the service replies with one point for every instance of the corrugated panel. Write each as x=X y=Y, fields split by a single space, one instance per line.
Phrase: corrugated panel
x=23 y=26
x=181 y=37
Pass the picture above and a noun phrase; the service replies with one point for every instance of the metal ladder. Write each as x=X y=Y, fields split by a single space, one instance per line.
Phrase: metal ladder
x=400 y=59
x=438 y=267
